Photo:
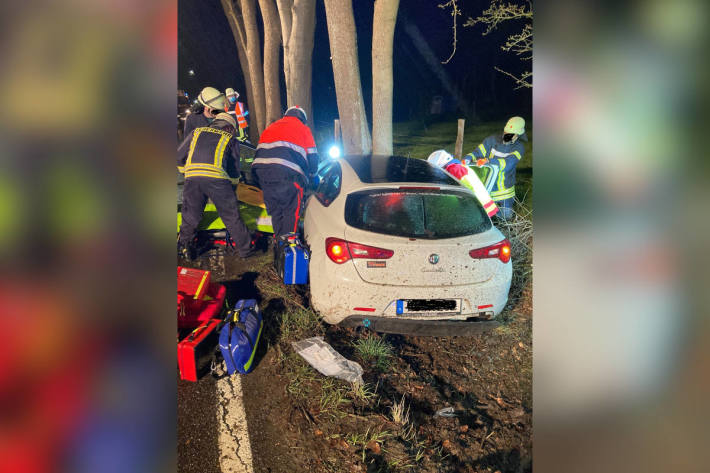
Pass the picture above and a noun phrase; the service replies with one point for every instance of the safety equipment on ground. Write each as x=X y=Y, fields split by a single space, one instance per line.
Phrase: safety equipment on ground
x=212 y=98
x=439 y=158
x=297 y=112
x=227 y=118
x=515 y=125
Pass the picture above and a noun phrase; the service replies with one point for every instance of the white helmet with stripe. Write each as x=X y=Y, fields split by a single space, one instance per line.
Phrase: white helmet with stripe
x=439 y=158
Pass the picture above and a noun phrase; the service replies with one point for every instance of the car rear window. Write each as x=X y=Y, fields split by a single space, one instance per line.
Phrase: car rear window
x=416 y=213
x=372 y=169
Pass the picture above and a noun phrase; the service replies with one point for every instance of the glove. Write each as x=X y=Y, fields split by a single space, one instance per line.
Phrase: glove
x=481 y=162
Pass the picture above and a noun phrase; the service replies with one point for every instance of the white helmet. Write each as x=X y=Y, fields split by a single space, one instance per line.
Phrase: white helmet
x=439 y=158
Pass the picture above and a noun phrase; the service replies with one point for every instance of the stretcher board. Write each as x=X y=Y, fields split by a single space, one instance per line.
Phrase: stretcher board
x=255 y=218
x=251 y=195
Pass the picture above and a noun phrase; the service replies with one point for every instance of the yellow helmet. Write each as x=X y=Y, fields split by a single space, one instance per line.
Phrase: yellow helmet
x=212 y=98
x=515 y=125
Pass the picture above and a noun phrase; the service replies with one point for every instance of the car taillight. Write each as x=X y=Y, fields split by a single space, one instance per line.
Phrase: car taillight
x=500 y=250
x=339 y=251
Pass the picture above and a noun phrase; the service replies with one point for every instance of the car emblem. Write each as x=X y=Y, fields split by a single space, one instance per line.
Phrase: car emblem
x=433 y=259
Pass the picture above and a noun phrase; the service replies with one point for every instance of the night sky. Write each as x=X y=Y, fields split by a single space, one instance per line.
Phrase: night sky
x=206 y=45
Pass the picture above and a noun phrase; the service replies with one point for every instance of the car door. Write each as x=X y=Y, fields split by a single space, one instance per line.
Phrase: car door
x=318 y=214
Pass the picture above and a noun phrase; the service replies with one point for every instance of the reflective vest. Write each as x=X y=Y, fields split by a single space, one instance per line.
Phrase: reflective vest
x=238 y=112
x=206 y=154
x=506 y=157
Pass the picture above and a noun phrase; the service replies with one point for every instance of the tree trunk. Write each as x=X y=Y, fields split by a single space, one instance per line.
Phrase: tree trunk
x=271 y=60
x=299 y=55
x=383 y=24
x=346 y=71
x=256 y=72
x=236 y=23
x=285 y=15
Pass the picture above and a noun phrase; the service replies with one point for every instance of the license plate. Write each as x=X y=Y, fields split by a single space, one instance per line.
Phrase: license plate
x=418 y=306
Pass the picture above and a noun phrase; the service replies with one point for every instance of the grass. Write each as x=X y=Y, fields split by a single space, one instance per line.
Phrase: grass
x=361 y=441
x=374 y=350
x=400 y=412
x=297 y=324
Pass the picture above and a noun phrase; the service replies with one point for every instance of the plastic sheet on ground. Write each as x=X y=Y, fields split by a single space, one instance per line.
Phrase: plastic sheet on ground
x=327 y=361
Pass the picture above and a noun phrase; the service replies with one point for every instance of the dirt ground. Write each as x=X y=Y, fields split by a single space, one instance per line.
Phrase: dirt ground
x=300 y=420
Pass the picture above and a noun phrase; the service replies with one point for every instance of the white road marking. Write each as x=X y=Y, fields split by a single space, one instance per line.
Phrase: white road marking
x=234 y=446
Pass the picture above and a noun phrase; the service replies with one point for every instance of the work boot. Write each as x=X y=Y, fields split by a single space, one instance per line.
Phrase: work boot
x=186 y=252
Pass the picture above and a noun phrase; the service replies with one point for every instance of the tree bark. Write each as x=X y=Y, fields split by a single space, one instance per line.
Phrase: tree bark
x=236 y=23
x=299 y=23
x=256 y=72
x=346 y=72
x=285 y=15
x=272 y=89
x=383 y=25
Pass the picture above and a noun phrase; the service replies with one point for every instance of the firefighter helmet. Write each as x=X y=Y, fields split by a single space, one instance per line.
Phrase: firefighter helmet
x=212 y=98
x=297 y=112
x=439 y=158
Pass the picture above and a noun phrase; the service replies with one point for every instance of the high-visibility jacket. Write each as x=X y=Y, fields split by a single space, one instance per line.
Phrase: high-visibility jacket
x=288 y=142
x=237 y=111
x=506 y=156
x=469 y=179
x=209 y=152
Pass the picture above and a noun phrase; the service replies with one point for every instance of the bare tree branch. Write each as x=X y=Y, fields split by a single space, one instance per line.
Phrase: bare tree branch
x=454 y=13
x=522 y=81
x=520 y=43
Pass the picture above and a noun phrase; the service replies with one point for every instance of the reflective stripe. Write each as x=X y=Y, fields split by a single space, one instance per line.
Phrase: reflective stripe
x=280 y=161
x=501 y=154
x=501 y=175
x=204 y=174
x=313 y=150
x=181 y=169
x=483 y=149
x=193 y=143
x=504 y=194
x=219 y=150
x=299 y=149
x=247 y=365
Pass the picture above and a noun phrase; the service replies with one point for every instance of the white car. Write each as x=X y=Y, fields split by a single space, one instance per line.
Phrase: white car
x=398 y=245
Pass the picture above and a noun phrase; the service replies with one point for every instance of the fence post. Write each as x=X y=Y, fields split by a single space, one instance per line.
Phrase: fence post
x=458 y=151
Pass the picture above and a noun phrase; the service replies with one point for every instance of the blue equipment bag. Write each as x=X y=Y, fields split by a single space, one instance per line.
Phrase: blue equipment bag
x=293 y=257
x=239 y=336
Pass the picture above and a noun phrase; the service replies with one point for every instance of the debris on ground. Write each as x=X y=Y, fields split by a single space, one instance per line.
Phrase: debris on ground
x=321 y=356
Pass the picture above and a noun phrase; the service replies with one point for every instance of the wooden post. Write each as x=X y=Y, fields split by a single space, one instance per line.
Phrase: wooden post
x=336 y=131
x=458 y=151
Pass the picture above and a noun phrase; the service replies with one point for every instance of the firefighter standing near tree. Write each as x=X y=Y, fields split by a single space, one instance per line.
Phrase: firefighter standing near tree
x=212 y=102
x=504 y=152
x=209 y=156
x=285 y=162
x=237 y=110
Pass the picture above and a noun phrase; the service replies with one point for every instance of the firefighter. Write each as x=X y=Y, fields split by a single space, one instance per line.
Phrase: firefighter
x=212 y=102
x=237 y=109
x=442 y=159
x=285 y=162
x=209 y=156
x=504 y=152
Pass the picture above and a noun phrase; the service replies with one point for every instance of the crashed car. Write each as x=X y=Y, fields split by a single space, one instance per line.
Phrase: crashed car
x=398 y=245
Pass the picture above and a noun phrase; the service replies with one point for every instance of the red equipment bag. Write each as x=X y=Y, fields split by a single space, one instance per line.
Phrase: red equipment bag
x=196 y=350
x=193 y=312
x=192 y=282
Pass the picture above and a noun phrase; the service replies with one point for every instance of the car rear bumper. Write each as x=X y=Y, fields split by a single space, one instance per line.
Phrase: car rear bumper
x=432 y=328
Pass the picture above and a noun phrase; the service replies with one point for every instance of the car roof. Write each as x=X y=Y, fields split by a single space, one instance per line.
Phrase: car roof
x=378 y=169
